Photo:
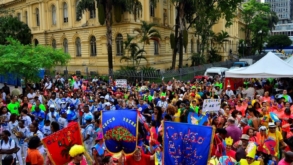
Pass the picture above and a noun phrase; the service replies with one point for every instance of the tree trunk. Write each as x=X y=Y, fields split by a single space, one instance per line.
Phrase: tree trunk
x=181 y=21
x=176 y=39
x=109 y=35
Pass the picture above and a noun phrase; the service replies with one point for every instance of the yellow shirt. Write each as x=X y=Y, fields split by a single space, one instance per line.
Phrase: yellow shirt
x=177 y=116
x=277 y=136
x=244 y=162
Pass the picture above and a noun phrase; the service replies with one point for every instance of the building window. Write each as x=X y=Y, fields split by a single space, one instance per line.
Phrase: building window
x=93 y=12
x=37 y=17
x=25 y=15
x=156 y=47
x=36 y=42
x=78 y=17
x=78 y=46
x=54 y=44
x=191 y=46
x=65 y=12
x=19 y=16
x=65 y=45
x=152 y=9
x=93 y=46
x=54 y=20
x=119 y=45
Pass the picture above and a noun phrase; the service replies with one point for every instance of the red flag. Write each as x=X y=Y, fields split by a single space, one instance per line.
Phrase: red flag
x=59 y=143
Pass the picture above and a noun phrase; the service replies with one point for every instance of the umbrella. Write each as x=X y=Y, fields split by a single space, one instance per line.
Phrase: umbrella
x=226 y=160
x=274 y=117
x=269 y=147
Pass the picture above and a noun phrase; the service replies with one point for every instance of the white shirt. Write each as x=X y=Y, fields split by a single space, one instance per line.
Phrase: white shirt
x=46 y=130
x=12 y=126
x=48 y=85
x=76 y=85
x=7 y=146
x=41 y=136
x=31 y=96
x=62 y=122
x=229 y=92
x=27 y=121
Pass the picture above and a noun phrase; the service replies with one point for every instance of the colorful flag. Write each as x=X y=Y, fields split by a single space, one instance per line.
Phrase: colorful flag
x=120 y=129
x=59 y=143
x=187 y=143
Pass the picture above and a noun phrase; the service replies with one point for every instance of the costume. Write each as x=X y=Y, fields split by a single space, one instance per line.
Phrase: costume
x=75 y=151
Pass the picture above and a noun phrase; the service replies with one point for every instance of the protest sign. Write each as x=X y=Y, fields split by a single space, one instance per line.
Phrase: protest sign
x=121 y=83
x=59 y=143
x=120 y=129
x=211 y=105
x=186 y=143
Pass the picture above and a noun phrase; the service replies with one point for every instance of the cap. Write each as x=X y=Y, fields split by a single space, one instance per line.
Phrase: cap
x=107 y=104
x=262 y=128
x=63 y=111
x=102 y=97
x=52 y=106
x=244 y=137
x=271 y=124
x=72 y=105
x=63 y=101
x=91 y=101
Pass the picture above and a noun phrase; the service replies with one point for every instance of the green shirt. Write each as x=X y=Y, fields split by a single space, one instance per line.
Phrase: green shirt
x=42 y=107
x=13 y=108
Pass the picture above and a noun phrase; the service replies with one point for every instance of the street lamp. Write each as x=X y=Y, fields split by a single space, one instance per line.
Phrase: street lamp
x=260 y=46
x=243 y=45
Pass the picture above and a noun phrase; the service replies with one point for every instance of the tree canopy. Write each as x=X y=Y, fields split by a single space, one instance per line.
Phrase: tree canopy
x=279 y=42
x=11 y=27
x=26 y=60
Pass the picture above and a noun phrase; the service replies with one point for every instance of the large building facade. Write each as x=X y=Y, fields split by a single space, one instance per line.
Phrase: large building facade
x=56 y=23
x=283 y=8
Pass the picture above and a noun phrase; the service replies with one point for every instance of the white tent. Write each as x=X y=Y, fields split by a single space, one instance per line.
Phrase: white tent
x=270 y=66
x=290 y=60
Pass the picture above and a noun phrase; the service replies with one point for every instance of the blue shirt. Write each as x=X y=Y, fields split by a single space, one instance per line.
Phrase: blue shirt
x=71 y=115
x=37 y=116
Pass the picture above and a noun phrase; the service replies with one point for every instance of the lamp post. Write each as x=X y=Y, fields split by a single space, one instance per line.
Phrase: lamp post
x=260 y=46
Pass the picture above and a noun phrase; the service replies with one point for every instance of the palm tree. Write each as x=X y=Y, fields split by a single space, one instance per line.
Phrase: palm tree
x=273 y=20
x=134 y=51
x=105 y=15
x=221 y=37
x=147 y=33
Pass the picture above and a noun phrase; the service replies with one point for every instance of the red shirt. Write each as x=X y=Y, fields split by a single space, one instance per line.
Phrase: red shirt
x=245 y=129
x=145 y=160
x=231 y=153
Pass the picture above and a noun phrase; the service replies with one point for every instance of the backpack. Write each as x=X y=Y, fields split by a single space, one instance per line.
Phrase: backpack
x=16 y=148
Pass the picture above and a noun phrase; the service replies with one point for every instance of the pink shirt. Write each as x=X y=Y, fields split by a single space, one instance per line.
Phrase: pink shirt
x=283 y=162
x=83 y=162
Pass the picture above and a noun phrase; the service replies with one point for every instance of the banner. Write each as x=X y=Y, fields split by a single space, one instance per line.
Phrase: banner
x=121 y=83
x=59 y=143
x=211 y=105
x=120 y=129
x=186 y=143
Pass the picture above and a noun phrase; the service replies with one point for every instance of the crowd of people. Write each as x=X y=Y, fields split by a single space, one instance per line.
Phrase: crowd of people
x=250 y=117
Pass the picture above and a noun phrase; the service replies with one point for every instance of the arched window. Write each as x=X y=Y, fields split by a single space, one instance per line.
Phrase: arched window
x=36 y=42
x=37 y=17
x=93 y=12
x=191 y=46
x=65 y=45
x=78 y=46
x=156 y=47
x=93 y=46
x=65 y=12
x=119 y=45
x=54 y=44
x=78 y=17
x=152 y=9
x=54 y=20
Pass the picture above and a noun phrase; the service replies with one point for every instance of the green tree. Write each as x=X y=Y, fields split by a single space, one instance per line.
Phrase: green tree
x=11 y=27
x=105 y=13
x=26 y=60
x=259 y=20
x=133 y=52
x=279 y=42
x=221 y=38
x=201 y=16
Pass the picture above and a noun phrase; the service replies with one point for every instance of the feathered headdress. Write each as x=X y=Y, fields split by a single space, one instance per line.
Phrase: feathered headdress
x=229 y=141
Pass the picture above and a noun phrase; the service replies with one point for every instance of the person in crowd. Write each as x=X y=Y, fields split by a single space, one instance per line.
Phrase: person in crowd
x=8 y=146
x=76 y=153
x=34 y=157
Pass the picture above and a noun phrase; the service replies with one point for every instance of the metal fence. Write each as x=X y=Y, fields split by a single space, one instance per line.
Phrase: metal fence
x=183 y=74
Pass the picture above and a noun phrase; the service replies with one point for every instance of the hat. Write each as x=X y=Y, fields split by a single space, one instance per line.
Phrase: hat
x=91 y=101
x=228 y=86
x=63 y=101
x=244 y=120
x=262 y=128
x=192 y=94
x=163 y=97
x=76 y=150
x=244 y=137
x=251 y=150
x=72 y=105
x=107 y=104
x=229 y=141
x=271 y=124
x=88 y=117
x=102 y=97
x=52 y=106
